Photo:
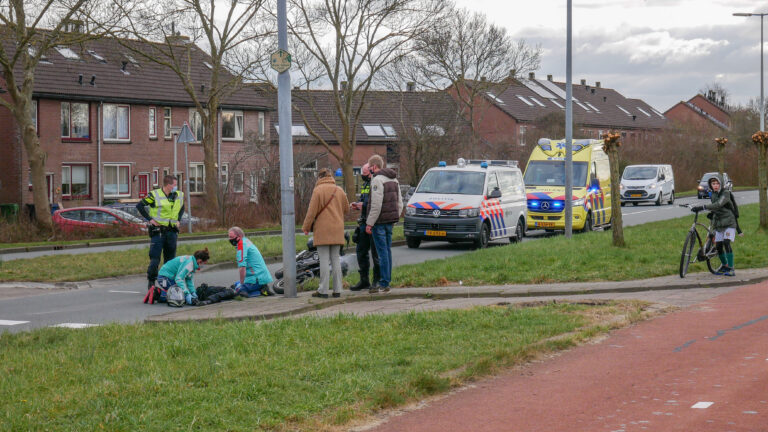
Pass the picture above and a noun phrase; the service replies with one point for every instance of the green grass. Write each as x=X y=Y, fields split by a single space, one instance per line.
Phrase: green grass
x=693 y=192
x=78 y=267
x=653 y=250
x=290 y=374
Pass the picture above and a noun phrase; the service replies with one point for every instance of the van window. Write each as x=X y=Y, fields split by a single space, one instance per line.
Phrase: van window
x=639 y=173
x=452 y=182
x=493 y=183
x=552 y=173
x=511 y=183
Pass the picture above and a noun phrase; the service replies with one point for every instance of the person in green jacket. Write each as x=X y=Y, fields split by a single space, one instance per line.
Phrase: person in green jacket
x=180 y=271
x=723 y=222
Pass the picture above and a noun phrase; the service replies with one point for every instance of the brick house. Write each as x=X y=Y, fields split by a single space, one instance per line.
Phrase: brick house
x=506 y=113
x=106 y=119
x=702 y=112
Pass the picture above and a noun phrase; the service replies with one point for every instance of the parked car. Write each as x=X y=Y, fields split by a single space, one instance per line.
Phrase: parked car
x=647 y=183
x=84 y=219
x=130 y=208
x=703 y=190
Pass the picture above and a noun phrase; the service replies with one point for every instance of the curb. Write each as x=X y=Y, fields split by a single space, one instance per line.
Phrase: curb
x=500 y=292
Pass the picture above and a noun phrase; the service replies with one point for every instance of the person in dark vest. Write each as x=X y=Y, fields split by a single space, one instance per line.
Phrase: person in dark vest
x=365 y=249
x=386 y=207
x=166 y=206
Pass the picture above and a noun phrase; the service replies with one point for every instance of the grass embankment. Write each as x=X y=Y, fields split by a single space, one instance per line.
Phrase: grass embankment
x=77 y=267
x=290 y=374
x=653 y=250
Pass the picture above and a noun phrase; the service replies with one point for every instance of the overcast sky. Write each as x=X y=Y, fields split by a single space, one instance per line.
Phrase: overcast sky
x=661 y=51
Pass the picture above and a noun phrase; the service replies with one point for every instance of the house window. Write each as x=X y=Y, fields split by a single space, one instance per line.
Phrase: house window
x=196 y=178
x=167 y=123
x=232 y=125
x=75 y=181
x=254 y=190
x=152 y=123
x=75 y=121
x=196 y=124
x=261 y=125
x=117 y=180
x=224 y=175
x=309 y=167
x=521 y=135
x=166 y=171
x=33 y=113
x=237 y=182
x=155 y=176
x=117 y=119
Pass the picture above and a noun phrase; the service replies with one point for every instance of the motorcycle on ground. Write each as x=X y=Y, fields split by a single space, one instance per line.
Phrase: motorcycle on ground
x=307 y=266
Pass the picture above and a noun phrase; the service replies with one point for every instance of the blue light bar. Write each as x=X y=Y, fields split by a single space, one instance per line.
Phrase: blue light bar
x=557 y=204
x=533 y=203
x=442 y=164
x=484 y=165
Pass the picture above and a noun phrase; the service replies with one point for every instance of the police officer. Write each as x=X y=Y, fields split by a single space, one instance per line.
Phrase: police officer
x=364 y=240
x=166 y=205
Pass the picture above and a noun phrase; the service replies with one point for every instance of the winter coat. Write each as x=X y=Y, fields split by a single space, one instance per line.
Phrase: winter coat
x=386 y=200
x=722 y=214
x=329 y=224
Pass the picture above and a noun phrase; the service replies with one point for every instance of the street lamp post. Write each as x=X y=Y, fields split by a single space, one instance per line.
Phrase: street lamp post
x=762 y=101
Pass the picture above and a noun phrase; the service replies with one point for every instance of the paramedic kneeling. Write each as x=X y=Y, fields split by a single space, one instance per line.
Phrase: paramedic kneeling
x=180 y=271
x=254 y=275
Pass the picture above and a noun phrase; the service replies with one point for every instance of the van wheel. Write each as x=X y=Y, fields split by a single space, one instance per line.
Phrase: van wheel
x=413 y=242
x=485 y=237
x=519 y=232
x=587 y=224
x=672 y=198
x=658 y=200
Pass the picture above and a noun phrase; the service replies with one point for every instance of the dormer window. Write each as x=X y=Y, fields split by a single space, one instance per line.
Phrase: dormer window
x=380 y=130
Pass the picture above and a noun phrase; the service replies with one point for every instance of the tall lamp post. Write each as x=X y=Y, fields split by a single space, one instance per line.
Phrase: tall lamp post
x=762 y=101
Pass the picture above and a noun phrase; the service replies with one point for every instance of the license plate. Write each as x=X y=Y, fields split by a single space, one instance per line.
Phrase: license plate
x=545 y=224
x=635 y=195
x=436 y=233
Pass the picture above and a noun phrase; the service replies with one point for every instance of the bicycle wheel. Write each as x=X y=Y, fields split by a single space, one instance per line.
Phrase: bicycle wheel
x=687 y=256
x=710 y=251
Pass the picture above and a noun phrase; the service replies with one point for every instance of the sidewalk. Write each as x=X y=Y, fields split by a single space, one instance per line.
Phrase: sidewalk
x=402 y=299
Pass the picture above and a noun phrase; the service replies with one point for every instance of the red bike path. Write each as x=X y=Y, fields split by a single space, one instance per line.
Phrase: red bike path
x=704 y=368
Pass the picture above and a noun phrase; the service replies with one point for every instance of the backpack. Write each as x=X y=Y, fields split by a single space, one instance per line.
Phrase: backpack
x=175 y=296
x=734 y=207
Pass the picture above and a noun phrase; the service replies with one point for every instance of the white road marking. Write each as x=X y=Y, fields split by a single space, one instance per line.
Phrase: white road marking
x=74 y=325
x=125 y=292
x=12 y=323
x=702 y=405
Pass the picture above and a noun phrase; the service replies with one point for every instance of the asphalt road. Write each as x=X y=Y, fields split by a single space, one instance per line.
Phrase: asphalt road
x=119 y=299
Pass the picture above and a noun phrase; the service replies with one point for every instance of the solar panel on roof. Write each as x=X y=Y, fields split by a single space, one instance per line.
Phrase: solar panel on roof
x=539 y=90
x=554 y=88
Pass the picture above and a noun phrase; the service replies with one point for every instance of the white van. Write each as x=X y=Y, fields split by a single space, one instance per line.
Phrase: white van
x=648 y=183
x=475 y=201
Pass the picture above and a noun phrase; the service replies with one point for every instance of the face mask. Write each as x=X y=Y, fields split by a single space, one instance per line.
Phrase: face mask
x=366 y=178
x=234 y=241
x=175 y=188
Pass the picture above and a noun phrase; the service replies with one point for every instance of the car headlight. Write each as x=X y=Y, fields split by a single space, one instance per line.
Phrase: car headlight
x=701 y=187
x=621 y=186
x=652 y=186
x=410 y=211
x=472 y=212
x=578 y=203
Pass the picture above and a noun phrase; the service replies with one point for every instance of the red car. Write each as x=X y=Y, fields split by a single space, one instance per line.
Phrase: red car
x=85 y=219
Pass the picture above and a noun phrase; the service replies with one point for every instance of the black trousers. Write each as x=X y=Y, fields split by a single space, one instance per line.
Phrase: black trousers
x=365 y=251
x=164 y=242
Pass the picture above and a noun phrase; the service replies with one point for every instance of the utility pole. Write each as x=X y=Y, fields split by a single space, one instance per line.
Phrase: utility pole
x=568 y=131
x=285 y=131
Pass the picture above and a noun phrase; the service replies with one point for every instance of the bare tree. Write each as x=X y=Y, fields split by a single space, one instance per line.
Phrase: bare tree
x=471 y=56
x=612 y=142
x=227 y=30
x=29 y=30
x=345 y=45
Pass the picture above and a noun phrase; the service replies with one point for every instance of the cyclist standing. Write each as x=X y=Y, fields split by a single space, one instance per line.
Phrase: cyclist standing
x=723 y=223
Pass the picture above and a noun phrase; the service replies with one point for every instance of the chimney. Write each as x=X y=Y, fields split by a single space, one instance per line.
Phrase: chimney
x=597 y=84
x=93 y=80
x=605 y=99
x=549 y=77
x=531 y=76
x=634 y=117
x=343 y=86
x=74 y=26
x=593 y=91
x=583 y=82
x=177 y=39
x=512 y=73
x=482 y=78
x=410 y=86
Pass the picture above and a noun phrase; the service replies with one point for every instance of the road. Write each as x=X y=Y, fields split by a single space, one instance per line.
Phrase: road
x=119 y=299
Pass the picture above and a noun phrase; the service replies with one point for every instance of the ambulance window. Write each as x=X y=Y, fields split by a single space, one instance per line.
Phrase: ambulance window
x=593 y=174
x=604 y=169
x=493 y=183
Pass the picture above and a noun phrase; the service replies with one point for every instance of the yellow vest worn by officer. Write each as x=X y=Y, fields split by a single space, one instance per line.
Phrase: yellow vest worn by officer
x=163 y=210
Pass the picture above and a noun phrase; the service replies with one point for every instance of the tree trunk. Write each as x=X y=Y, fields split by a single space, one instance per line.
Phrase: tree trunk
x=762 y=179
x=721 y=159
x=37 y=158
x=214 y=205
x=617 y=224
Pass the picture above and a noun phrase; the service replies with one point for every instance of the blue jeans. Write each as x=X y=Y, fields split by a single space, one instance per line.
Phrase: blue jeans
x=382 y=239
x=163 y=243
x=252 y=289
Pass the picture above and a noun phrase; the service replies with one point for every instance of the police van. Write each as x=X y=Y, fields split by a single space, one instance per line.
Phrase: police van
x=473 y=201
x=545 y=185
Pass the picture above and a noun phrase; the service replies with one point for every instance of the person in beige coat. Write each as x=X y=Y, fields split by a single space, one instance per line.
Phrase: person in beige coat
x=325 y=218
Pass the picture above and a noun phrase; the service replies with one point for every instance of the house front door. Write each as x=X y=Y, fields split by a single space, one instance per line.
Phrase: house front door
x=143 y=185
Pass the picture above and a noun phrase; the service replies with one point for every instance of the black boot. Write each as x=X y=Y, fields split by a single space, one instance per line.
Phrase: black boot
x=363 y=284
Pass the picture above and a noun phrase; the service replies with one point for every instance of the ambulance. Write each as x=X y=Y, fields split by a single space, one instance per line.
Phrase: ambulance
x=473 y=201
x=545 y=185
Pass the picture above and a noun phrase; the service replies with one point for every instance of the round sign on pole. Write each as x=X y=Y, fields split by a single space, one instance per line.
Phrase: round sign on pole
x=280 y=60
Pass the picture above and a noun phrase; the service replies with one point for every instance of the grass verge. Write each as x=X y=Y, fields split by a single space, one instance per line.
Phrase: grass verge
x=290 y=374
x=653 y=250
x=78 y=267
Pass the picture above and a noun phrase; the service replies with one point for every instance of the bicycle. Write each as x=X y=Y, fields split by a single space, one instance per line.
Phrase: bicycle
x=705 y=252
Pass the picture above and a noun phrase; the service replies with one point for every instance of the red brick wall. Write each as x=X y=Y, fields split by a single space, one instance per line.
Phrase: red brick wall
x=711 y=109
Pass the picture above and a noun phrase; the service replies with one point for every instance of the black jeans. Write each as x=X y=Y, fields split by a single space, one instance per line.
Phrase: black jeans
x=162 y=243
x=364 y=245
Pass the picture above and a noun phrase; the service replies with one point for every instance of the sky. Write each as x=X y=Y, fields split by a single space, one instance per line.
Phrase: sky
x=660 y=51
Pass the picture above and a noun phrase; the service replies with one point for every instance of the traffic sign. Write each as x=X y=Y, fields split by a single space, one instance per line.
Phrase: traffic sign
x=280 y=60
x=186 y=135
